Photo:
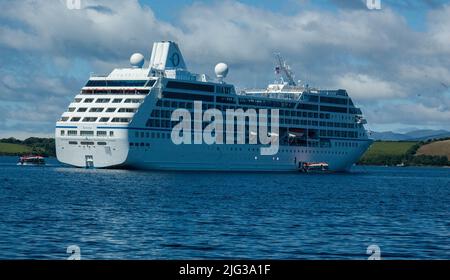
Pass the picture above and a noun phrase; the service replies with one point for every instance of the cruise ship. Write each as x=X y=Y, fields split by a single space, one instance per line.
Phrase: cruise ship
x=126 y=120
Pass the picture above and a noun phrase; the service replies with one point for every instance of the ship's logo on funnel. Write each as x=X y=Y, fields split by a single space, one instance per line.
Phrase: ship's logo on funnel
x=175 y=59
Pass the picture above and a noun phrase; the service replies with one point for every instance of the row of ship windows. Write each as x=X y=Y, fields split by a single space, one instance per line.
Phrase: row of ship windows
x=87 y=143
x=166 y=114
x=157 y=135
x=156 y=123
x=267 y=103
x=290 y=150
x=120 y=83
x=163 y=135
x=244 y=100
x=145 y=144
x=101 y=109
x=100 y=133
x=184 y=105
x=94 y=119
x=108 y=100
x=142 y=144
x=115 y=91
x=205 y=106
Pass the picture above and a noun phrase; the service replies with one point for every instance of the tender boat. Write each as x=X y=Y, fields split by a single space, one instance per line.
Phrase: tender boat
x=31 y=160
x=314 y=167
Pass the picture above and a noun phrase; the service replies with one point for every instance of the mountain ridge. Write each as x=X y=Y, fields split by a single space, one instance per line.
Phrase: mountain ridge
x=415 y=135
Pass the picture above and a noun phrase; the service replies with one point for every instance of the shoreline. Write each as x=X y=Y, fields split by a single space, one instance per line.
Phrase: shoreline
x=356 y=164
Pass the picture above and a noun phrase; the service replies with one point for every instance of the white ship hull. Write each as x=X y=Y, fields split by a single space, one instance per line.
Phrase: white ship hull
x=162 y=154
x=240 y=161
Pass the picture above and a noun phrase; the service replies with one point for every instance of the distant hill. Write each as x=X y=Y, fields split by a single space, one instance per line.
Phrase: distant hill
x=416 y=135
x=388 y=136
x=438 y=148
x=425 y=134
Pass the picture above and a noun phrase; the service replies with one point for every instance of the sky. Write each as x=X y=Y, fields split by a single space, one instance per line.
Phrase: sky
x=393 y=61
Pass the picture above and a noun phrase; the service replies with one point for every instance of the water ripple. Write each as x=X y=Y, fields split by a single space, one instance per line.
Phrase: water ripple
x=120 y=214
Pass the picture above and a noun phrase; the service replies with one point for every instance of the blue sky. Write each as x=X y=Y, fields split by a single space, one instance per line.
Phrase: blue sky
x=395 y=62
x=413 y=11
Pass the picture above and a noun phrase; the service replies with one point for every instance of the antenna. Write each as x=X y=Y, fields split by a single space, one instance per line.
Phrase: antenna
x=285 y=69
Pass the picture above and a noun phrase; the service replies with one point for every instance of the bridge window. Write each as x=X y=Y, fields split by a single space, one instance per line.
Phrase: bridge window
x=190 y=86
x=309 y=107
x=86 y=133
x=188 y=96
x=118 y=83
x=101 y=133
x=310 y=98
x=96 y=110
x=333 y=100
x=133 y=100
x=102 y=100
x=127 y=110
x=121 y=120
x=89 y=119
x=333 y=109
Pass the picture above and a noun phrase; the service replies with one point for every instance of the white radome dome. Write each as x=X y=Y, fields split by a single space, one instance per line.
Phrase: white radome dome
x=137 y=60
x=221 y=70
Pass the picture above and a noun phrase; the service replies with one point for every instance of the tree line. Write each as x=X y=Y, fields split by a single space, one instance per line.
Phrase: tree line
x=42 y=146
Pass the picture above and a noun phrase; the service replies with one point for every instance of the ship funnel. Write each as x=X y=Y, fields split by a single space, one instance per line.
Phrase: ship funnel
x=166 y=55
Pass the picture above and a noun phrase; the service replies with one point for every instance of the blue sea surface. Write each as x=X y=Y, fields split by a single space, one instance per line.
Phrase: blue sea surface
x=125 y=214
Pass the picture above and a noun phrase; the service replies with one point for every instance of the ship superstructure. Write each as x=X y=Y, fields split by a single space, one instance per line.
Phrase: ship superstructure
x=125 y=120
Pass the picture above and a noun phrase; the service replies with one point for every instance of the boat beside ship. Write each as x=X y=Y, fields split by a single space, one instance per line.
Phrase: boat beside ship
x=33 y=160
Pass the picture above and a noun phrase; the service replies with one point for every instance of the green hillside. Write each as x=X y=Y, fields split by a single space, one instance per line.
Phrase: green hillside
x=404 y=152
x=388 y=148
x=14 y=149
x=42 y=146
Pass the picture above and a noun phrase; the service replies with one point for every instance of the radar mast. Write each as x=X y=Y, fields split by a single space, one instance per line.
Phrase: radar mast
x=285 y=69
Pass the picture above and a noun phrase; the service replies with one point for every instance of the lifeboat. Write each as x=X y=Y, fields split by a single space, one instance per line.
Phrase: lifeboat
x=31 y=160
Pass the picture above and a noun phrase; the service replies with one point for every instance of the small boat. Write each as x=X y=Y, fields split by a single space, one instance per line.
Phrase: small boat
x=31 y=160
x=313 y=167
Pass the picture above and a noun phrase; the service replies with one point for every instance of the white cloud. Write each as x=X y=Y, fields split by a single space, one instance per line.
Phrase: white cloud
x=375 y=55
x=439 y=31
x=411 y=114
x=50 y=27
x=363 y=87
